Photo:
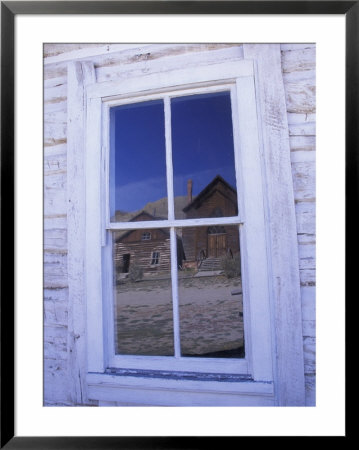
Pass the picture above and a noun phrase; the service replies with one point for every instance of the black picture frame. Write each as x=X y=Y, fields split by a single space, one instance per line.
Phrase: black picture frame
x=9 y=9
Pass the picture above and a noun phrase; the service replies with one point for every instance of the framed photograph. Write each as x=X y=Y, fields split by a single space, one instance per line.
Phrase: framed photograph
x=169 y=171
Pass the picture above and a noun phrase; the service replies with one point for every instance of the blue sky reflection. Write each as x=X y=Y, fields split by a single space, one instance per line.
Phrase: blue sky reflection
x=202 y=147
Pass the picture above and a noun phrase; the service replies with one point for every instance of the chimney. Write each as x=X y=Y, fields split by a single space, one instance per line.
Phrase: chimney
x=189 y=191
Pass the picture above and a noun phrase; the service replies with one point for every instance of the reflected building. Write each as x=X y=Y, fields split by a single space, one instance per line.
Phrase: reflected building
x=196 y=246
x=217 y=199
x=149 y=249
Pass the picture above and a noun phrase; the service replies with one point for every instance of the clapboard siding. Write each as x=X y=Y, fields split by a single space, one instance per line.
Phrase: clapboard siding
x=56 y=390
x=55 y=239
x=55 y=268
x=55 y=194
x=298 y=59
x=116 y=61
x=301 y=143
x=51 y=50
x=56 y=307
x=298 y=65
x=55 y=342
x=56 y=382
x=113 y=69
x=125 y=57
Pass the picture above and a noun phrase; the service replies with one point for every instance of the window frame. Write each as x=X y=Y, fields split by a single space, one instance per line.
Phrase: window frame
x=156 y=258
x=176 y=362
x=240 y=75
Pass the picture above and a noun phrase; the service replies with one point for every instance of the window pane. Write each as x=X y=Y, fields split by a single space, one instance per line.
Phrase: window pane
x=210 y=293
x=138 y=161
x=142 y=293
x=203 y=156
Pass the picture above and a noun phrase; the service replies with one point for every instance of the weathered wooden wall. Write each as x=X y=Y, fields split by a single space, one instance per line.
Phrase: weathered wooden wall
x=299 y=69
x=141 y=253
x=116 y=61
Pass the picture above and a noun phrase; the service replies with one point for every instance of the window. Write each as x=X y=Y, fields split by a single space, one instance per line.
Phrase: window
x=146 y=236
x=197 y=190
x=155 y=257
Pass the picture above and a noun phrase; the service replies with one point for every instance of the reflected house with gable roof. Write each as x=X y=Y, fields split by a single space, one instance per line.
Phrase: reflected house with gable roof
x=205 y=247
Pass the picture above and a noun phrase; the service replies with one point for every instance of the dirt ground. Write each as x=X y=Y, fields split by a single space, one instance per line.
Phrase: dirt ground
x=211 y=317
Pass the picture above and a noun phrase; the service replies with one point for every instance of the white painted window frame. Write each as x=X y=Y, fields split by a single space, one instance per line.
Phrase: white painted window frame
x=177 y=362
x=239 y=79
x=272 y=301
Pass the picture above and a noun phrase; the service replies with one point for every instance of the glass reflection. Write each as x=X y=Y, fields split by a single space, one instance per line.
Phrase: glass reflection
x=210 y=293
x=203 y=156
x=142 y=292
x=138 y=161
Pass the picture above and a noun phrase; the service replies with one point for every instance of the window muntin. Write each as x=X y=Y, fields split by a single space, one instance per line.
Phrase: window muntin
x=221 y=190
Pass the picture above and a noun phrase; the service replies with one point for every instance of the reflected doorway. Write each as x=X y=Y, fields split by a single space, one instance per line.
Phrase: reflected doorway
x=216 y=242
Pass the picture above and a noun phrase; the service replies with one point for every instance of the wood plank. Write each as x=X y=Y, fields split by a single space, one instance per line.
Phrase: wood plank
x=55 y=268
x=253 y=234
x=281 y=217
x=307 y=277
x=299 y=59
x=125 y=53
x=54 y=151
x=54 y=197
x=308 y=294
x=55 y=132
x=305 y=214
x=306 y=238
x=302 y=143
x=55 y=342
x=182 y=77
x=56 y=382
x=79 y=76
x=54 y=93
x=309 y=355
x=51 y=50
x=296 y=46
x=55 y=71
x=55 y=239
x=55 y=222
x=55 y=116
x=55 y=165
x=304 y=180
x=303 y=156
x=309 y=328
x=310 y=390
x=300 y=96
x=297 y=77
x=119 y=70
x=302 y=129
x=55 y=81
